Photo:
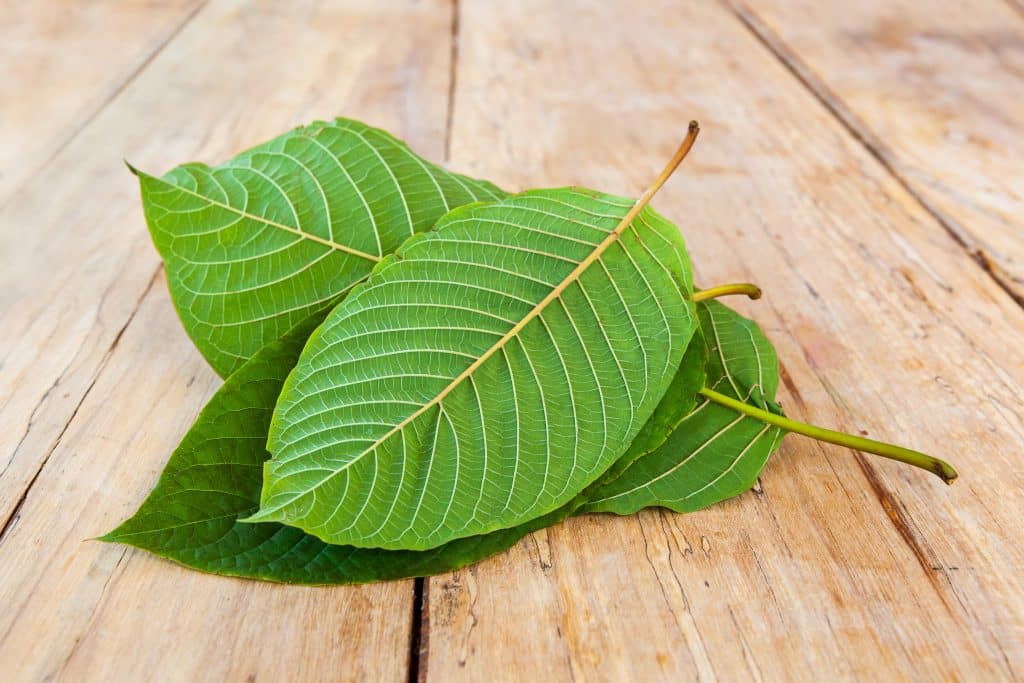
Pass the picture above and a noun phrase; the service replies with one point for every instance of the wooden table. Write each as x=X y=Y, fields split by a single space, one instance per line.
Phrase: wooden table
x=863 y=162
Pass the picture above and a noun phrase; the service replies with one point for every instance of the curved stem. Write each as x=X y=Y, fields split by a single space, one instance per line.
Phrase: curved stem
x=940 y=468
x=666 y=173
x=752 y=291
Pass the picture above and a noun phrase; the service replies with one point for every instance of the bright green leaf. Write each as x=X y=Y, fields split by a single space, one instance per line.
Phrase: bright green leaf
x=255 y=245
x=484 y=376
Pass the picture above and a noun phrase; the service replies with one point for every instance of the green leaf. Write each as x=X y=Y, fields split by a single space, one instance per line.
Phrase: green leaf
x=678 y=402
x=214 y=476
x=484 y=376
x=715 y=453
x=255 y=245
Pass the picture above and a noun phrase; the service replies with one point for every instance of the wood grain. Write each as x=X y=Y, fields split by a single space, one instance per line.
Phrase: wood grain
x=60 y=69
x=935 y=90
x=834 y=197
x=840 y=566
x=99 y=382
x=70 y=284
x=83 y=610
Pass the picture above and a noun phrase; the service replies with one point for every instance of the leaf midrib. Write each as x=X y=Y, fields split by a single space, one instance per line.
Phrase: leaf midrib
x=514 y=331
x=538 y=308
x=275 y=224
x=553 y=295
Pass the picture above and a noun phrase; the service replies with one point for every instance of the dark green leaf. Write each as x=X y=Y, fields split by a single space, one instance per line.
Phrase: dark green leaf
x=213 y=478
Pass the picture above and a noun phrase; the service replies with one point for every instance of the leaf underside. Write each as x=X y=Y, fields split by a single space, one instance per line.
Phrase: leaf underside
x=460 y=333
x=213 y=478
x=483 y=376
x=254 y=246
x=715 y=453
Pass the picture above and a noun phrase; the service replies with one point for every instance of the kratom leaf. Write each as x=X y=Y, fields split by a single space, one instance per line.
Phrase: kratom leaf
x=715 y=453
x=255 y=245
x=484 y=375
x=213 y=478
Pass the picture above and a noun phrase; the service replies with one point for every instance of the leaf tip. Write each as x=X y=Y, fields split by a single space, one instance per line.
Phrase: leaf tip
x=135 y=172
x=944 y=471
x=255 y=518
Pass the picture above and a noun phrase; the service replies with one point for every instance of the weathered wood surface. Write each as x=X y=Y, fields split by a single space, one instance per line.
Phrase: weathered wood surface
x=883 y=323
x=935 y=90
x=838 y=566
x=61 y=69
x=99 y=382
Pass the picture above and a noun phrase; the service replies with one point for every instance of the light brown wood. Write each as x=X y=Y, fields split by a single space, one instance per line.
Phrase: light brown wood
x=63 y=62
x=70 y=284
x=83 y=610
x=936 y=90
x=838 y=566
x=841 y=565
x=99 y=382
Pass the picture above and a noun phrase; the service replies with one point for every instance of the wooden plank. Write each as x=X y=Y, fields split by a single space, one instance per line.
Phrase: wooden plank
x=84 y=610
x=70 y=284
x=99 y=382
x=840 y=565
x=61 y=67
x=935 y=93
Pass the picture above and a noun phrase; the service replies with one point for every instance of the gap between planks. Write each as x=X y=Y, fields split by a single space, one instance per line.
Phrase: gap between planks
x=863 y=134
x=419 y=641
x=453 y=73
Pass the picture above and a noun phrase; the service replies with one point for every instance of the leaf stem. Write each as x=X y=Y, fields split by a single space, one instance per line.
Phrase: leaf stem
x=751 y=290
x=940 y=468
x=666 y=173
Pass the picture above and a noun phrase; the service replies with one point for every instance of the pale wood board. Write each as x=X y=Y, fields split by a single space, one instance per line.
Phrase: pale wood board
x=842 y=566
x=936 y=89
x=838 y=566
x=99 y=382
x=60 y=68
